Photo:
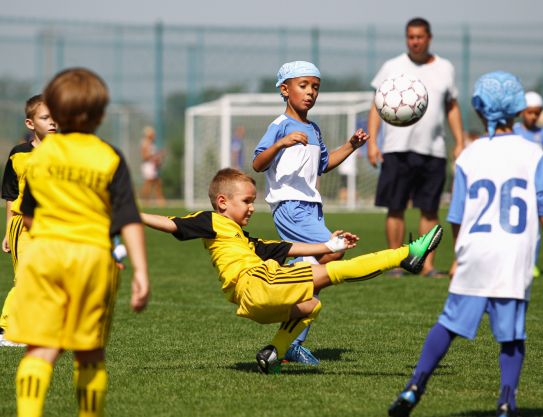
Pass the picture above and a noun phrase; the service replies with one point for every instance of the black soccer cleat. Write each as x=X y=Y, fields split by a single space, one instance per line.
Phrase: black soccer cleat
x=267 y=360
x=405 y=402
x=420 y=248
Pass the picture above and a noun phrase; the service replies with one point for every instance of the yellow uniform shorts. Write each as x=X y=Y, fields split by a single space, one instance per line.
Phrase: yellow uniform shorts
x=67 y=292
x=267 y=293
x=18 y=238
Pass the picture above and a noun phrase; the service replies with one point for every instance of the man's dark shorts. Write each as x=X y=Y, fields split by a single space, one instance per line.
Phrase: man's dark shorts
x=409 y=175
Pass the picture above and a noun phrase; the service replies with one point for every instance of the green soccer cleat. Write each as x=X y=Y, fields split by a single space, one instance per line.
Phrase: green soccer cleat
x=420 y=248
x=267 y=360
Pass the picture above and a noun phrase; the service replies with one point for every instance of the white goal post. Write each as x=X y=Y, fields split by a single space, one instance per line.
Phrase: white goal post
x=209 y=144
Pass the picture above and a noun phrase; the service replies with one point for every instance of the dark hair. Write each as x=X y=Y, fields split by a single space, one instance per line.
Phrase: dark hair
x=77 y=99
x=223 y=183
x=32 y=105
x=419 y=22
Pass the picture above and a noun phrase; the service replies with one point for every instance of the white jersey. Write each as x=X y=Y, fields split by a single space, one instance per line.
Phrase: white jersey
x=293 y=173
x=497 y=200
x=427 y=136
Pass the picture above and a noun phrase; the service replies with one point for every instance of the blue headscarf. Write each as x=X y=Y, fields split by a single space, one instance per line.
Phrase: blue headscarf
x=296 y=69
x=498 y=96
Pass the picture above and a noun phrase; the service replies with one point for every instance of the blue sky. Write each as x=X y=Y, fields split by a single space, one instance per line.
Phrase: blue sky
x=304 y=13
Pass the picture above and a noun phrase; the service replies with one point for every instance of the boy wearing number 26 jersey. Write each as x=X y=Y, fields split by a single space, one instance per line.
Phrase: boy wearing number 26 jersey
x=496 y=207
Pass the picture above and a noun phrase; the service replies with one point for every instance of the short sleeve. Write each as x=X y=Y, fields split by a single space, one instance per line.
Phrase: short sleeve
x=458 y=201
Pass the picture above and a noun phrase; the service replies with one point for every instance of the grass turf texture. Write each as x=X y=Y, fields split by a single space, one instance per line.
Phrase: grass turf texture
x=189 y=355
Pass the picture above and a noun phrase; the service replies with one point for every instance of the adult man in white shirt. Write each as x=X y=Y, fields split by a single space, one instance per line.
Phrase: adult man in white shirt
x=414 y=158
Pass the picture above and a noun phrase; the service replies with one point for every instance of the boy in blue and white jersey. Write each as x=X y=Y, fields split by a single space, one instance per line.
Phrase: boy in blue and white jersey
x=527 y=127
x=293 y=154
x=496 y=208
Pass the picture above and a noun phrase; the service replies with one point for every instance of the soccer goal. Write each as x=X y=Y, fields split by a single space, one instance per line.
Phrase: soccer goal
x=225 y=132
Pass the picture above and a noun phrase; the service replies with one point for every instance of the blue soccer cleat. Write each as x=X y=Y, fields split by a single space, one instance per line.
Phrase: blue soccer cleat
x=405 y=402
x=301 y=354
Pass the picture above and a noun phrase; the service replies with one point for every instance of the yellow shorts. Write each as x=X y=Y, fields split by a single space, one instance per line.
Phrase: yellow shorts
x=268 y=292
x=18 y=238
x=67 y=292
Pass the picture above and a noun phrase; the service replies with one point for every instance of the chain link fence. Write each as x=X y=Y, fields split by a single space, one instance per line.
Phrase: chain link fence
x=156 y=71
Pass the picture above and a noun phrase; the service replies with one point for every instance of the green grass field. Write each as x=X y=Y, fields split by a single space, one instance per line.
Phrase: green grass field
x=189 y=355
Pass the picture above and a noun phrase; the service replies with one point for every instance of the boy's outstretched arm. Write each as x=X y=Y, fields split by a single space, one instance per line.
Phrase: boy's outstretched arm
x=134 y=240
x=359 y=138
x=339 y=242
x=158 y=222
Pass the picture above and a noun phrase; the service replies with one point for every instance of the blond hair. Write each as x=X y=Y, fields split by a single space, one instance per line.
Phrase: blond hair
x=224 y=182
x=32 y=104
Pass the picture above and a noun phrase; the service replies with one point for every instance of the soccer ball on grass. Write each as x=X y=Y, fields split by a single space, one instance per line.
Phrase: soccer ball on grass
x=401 y=100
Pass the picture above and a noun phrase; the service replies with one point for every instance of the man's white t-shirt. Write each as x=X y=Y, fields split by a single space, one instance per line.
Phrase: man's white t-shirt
x=427 y=136
x=497 y=199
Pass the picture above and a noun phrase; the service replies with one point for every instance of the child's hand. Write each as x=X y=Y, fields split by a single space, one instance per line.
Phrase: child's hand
x=140 y=291
x=340 y=241
x=5 y=245
x=292 y=139
x=359 y=138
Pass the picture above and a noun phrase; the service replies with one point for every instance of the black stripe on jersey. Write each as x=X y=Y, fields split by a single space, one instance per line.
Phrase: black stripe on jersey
x=194 y=226
x=276 y=250
x=299 y=275
x=10 y=182
x=123 y=203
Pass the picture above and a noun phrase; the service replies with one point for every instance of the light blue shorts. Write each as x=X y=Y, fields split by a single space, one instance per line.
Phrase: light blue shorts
x=301 y=221
x=462 y=314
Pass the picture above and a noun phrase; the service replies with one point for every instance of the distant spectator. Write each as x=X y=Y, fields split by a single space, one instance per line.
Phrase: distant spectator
x=237 y=148
x=150 y=168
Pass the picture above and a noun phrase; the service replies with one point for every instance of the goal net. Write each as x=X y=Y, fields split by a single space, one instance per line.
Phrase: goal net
x=224 y=133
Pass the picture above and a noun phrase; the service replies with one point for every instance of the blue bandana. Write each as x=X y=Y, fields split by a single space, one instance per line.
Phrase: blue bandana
x=296 y=69
x=498 y=96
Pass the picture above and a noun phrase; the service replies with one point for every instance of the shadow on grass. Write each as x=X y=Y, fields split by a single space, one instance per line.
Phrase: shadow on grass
x=525 y=412
x=298 y=370
x=329 y=354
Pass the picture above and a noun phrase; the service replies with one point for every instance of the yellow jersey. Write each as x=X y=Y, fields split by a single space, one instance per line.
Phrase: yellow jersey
x=78 y=189
x=233 y=252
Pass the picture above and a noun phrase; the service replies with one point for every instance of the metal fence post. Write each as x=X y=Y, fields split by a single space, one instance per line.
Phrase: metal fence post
x=159 y=80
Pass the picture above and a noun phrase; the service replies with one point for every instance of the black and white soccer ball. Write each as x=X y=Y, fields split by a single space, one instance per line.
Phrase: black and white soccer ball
x=401 y=100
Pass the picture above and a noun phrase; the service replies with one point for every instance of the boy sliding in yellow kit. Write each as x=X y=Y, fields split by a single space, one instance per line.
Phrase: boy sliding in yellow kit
x=78 y=193
x=251 y=270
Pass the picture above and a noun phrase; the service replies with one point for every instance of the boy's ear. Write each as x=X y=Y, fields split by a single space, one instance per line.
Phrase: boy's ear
x=221 y=202
x=283 y=88
x=29 y=123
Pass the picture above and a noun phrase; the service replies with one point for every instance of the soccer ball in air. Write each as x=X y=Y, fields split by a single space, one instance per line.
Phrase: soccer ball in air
x=401 y=100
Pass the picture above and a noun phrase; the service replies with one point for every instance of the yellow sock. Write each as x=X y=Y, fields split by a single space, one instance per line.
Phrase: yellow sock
x=32 y=381
x=365 y=266
x=7 y=308
x=91 y=386
x=289 y=330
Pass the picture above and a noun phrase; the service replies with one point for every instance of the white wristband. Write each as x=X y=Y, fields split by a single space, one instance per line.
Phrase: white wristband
x=119 y=253
x=336 y=244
